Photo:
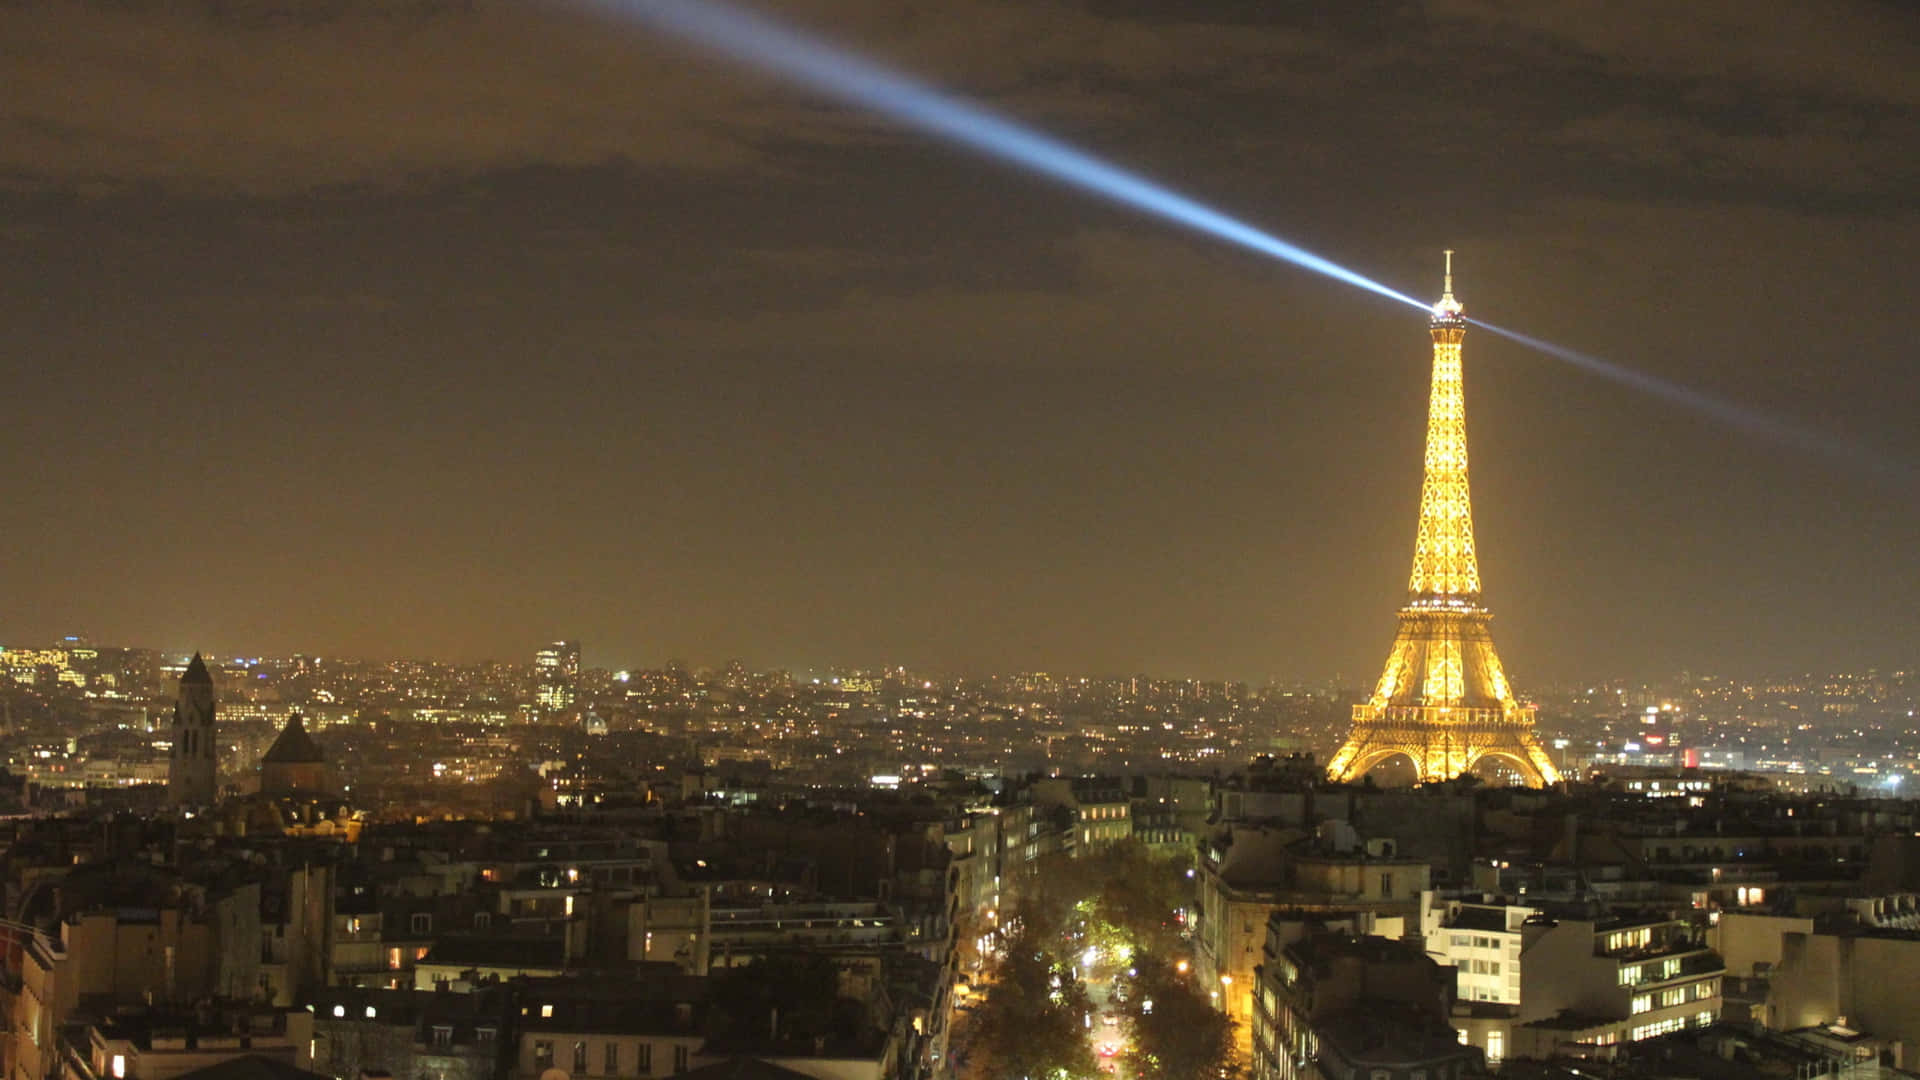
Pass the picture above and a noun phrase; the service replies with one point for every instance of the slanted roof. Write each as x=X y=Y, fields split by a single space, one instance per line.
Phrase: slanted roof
x=743 y=1068
x=294 y=746
x=197 y=671
x=1381 y=1032
x=251 y=1067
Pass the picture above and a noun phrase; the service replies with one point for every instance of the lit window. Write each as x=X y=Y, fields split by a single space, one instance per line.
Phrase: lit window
x=120 y=1066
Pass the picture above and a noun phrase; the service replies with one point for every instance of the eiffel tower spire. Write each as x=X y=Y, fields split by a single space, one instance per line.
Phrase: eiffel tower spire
x=1443 y=700
x=1446 y=571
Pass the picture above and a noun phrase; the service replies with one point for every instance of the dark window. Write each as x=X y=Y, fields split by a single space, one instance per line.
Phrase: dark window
x=612 y=1063
x=542 y=1054
x=680 y=1059
x=643 y=1059
x=579 y=1056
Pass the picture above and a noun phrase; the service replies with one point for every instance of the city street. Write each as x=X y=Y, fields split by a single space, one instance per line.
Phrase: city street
x=1112 y=1046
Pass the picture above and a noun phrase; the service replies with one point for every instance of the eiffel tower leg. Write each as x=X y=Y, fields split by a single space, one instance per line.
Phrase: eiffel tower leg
x=1343 y=760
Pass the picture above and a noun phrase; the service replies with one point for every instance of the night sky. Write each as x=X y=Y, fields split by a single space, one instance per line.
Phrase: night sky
x=441 y=329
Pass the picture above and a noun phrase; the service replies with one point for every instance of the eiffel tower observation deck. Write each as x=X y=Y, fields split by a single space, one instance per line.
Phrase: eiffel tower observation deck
x=1444 y=701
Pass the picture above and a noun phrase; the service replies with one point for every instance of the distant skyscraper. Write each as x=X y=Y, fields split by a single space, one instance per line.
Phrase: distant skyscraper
x=194 y=769
x=556 y=671
x=1443 y=700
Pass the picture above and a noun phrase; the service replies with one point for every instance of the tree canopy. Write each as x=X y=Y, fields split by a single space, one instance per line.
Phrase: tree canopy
x=1120 y=895
x=1033 y=1022
x=1177 y=1033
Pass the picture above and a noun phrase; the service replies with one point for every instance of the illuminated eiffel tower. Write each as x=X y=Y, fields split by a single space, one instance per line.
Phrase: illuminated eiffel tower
x=1444 y=700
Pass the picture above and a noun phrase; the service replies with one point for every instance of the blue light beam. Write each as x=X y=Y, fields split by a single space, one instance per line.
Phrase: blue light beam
x=1738 y=417
x=763 y=43
x=855 y=80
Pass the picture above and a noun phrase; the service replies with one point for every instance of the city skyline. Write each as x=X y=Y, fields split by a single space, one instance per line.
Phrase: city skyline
x=626 y=346
x=533 y=663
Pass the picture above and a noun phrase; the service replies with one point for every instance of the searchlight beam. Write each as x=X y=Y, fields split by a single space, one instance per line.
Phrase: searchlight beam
x=764 y=43
x=760 y=42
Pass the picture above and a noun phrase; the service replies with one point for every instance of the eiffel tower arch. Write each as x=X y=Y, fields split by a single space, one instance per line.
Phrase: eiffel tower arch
x=1444 y=700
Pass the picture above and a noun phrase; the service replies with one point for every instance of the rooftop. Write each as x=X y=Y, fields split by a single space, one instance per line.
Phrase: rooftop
x=1475 y=917
x=498 y=952
x=1388 y=1033
x=251 y=1067
x=744 y=1068
x=294 y=746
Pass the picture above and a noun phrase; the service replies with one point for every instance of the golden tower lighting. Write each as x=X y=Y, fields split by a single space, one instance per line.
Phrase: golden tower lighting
x=1443 y=700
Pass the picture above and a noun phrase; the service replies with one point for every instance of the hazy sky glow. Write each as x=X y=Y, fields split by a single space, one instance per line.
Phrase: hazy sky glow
x=440 y=329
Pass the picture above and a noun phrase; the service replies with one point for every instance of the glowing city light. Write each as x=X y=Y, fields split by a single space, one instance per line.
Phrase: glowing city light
x=837 y=73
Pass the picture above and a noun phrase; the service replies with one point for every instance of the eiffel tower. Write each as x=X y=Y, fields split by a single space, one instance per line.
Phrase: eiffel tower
x=1444 y=700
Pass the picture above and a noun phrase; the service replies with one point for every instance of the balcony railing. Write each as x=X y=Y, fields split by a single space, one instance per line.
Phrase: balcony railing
x=1698 y=962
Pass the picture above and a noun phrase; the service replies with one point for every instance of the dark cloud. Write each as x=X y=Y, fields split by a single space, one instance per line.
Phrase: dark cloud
x=309 y=94
x=502 y=324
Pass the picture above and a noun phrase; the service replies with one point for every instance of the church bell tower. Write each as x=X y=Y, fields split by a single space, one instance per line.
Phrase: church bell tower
x=193 y=770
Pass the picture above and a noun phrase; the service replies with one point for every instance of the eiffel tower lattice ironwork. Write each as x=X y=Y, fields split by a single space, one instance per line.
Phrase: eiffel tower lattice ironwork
x=1443 y=700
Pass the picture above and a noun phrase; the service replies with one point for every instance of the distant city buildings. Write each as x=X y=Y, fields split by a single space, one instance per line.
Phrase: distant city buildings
x=557 y=671
x=402 y=867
